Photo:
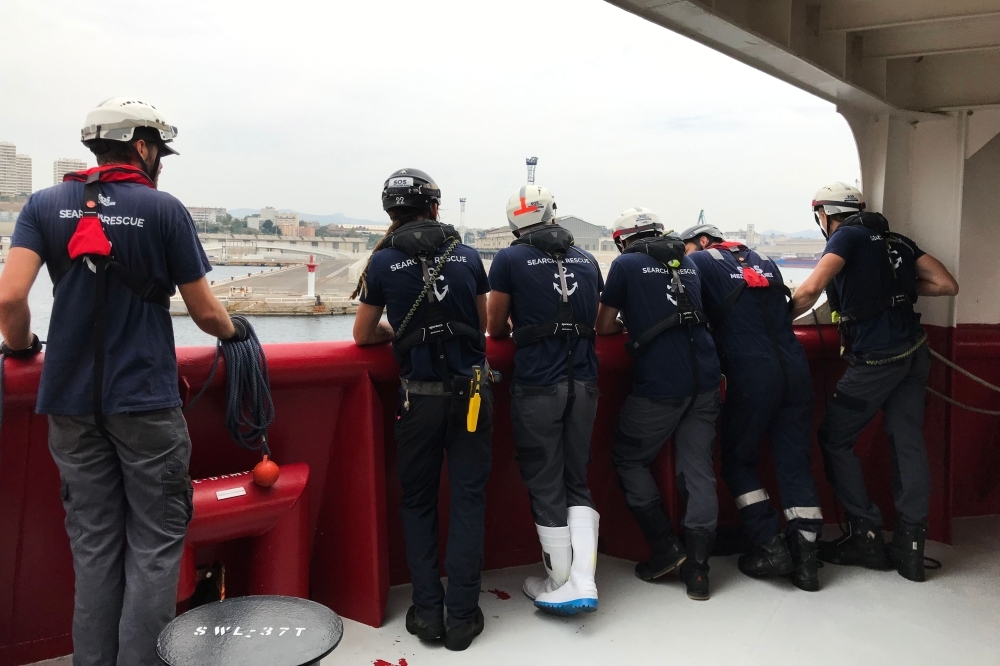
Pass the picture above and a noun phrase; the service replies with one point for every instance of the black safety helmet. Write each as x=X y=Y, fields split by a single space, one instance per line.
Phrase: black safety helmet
x=691 y=234
x=411 y=188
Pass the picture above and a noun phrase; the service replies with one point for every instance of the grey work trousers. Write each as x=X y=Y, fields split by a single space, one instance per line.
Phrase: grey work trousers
x=128 y=504
x=553 y=451
x=898 y=389
x=644 y=426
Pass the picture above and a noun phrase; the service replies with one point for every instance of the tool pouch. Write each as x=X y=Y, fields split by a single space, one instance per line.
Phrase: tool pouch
x=461 y=387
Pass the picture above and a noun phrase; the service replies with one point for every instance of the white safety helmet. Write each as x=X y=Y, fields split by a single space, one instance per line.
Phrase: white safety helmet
x=839 y=198
x=529 y=206
x=116 y=119
x=634 y=221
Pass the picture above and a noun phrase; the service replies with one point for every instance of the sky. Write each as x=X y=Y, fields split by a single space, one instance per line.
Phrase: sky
x=311 y=105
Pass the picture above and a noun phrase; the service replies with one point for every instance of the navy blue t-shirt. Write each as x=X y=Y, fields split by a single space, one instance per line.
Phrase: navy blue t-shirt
x=640 y=287
x=867 y=277
x=151 y=233
x=744 y=332
x=531 y=279
x=395 y=281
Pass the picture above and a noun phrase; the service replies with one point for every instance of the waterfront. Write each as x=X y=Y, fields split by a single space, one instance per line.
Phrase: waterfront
x=269 y=329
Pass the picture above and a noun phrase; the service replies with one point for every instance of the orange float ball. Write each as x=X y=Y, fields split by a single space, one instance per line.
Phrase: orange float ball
x=265 y=473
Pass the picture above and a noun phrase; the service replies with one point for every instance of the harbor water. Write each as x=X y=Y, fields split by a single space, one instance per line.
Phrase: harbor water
x=269 y=329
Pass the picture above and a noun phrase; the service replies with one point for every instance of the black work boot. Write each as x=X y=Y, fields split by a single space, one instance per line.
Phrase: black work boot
x=906 y=550
x=460 y=636
x=804 y=555
x=668 y=552
x=862 y=546
x=422 y=629
x=694 y=571
x=770 y=558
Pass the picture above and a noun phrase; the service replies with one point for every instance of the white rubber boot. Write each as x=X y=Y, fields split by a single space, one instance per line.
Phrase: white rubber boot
x=579 y=594
x=557 y=554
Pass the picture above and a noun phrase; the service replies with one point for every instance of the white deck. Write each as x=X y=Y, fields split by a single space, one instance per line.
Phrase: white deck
x=860 y=617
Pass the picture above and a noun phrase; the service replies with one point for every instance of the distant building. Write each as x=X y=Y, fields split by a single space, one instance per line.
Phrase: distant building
x=307 y=231
x=253 y=222
x=495 y=239
x=586 y=236
x=749 y=237
x=287 y=223
x=8 y=169
x=202 y=215
x=22 y=175
x=608 y=245
x=268 y=214
x=65 y=165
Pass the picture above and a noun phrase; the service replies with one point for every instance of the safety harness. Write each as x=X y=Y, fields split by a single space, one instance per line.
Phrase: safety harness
x=669 y=250
x=759 y=285
x=555 y=241
x=91 y=246
x=895 y=298
x=420 y=240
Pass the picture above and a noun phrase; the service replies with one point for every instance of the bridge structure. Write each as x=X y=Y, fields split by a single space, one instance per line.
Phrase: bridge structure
x=238 y=245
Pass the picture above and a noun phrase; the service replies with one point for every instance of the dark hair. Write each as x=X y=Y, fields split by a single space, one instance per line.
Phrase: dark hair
x=108 y=151
x=642 y=234
x=840 y=217
x=399 y=215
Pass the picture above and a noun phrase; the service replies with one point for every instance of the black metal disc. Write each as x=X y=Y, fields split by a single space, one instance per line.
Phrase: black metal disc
x=251 y=631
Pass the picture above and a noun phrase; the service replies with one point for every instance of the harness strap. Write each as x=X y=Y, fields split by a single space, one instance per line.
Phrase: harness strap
x=564 y=326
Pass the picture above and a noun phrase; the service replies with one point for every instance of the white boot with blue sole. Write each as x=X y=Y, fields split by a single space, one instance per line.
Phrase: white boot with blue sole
x=557 y=553
x=579 y=594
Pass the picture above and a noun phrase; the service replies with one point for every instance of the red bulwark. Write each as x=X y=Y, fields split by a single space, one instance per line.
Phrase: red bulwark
x=335 y=406
x=274 y=522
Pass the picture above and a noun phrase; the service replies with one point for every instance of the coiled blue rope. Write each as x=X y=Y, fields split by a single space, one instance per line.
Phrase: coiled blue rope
x=249 y=406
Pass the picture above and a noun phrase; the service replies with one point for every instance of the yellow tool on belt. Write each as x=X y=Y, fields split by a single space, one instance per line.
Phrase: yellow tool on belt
x=475 y=399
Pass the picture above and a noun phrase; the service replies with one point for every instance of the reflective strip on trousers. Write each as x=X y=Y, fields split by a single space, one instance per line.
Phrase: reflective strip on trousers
x=804 y=513
x=752 y=497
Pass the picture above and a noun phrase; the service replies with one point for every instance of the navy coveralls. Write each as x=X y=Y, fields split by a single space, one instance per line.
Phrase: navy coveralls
x=769 y=392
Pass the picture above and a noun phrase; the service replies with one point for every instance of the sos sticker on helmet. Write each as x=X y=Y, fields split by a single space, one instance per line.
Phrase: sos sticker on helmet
x=401 y=182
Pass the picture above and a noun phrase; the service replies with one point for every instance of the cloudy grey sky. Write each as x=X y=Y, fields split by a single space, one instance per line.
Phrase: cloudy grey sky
x=310 y=105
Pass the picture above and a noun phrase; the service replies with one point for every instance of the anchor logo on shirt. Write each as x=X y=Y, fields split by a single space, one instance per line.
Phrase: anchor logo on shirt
x=439 y=294
x=569 y=290
x=670 y=296
x=897 y=260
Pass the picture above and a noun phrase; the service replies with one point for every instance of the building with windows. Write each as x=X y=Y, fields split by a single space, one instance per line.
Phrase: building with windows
x=287 y=223
x=65 y=165
x=22 y=175
x=495 y=240
x=202 y=215
x=8 y=169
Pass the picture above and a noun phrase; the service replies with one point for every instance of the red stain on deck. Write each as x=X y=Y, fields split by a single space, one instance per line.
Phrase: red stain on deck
x=383 y=662
x=501 y=595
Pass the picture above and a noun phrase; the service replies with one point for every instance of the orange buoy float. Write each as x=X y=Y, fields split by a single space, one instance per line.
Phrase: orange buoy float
x=265 y=473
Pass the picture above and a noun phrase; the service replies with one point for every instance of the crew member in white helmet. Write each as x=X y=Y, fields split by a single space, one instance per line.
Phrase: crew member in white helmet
x=116 y=248
x=545 y=293
x=872 y=278
x=675 y=391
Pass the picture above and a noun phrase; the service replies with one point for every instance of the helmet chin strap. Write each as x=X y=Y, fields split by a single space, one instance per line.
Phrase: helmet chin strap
x=820 y=225
x=150 y=171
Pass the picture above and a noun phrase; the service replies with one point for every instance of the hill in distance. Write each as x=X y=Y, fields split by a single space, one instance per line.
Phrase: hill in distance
x=336 y=218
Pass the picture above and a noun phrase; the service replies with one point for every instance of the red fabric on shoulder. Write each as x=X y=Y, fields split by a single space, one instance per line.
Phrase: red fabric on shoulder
x=729 y=245
x=89 y=238
x=112 y=173
x=754 y=279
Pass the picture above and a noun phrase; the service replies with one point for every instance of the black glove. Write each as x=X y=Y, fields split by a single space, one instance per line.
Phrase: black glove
x=31 y=350
x=243 y=329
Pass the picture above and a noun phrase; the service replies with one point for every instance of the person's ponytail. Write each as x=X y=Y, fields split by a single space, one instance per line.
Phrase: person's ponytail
x=399 y=216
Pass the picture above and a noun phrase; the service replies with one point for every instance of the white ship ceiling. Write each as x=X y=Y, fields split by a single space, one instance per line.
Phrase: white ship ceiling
x=898 y=57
